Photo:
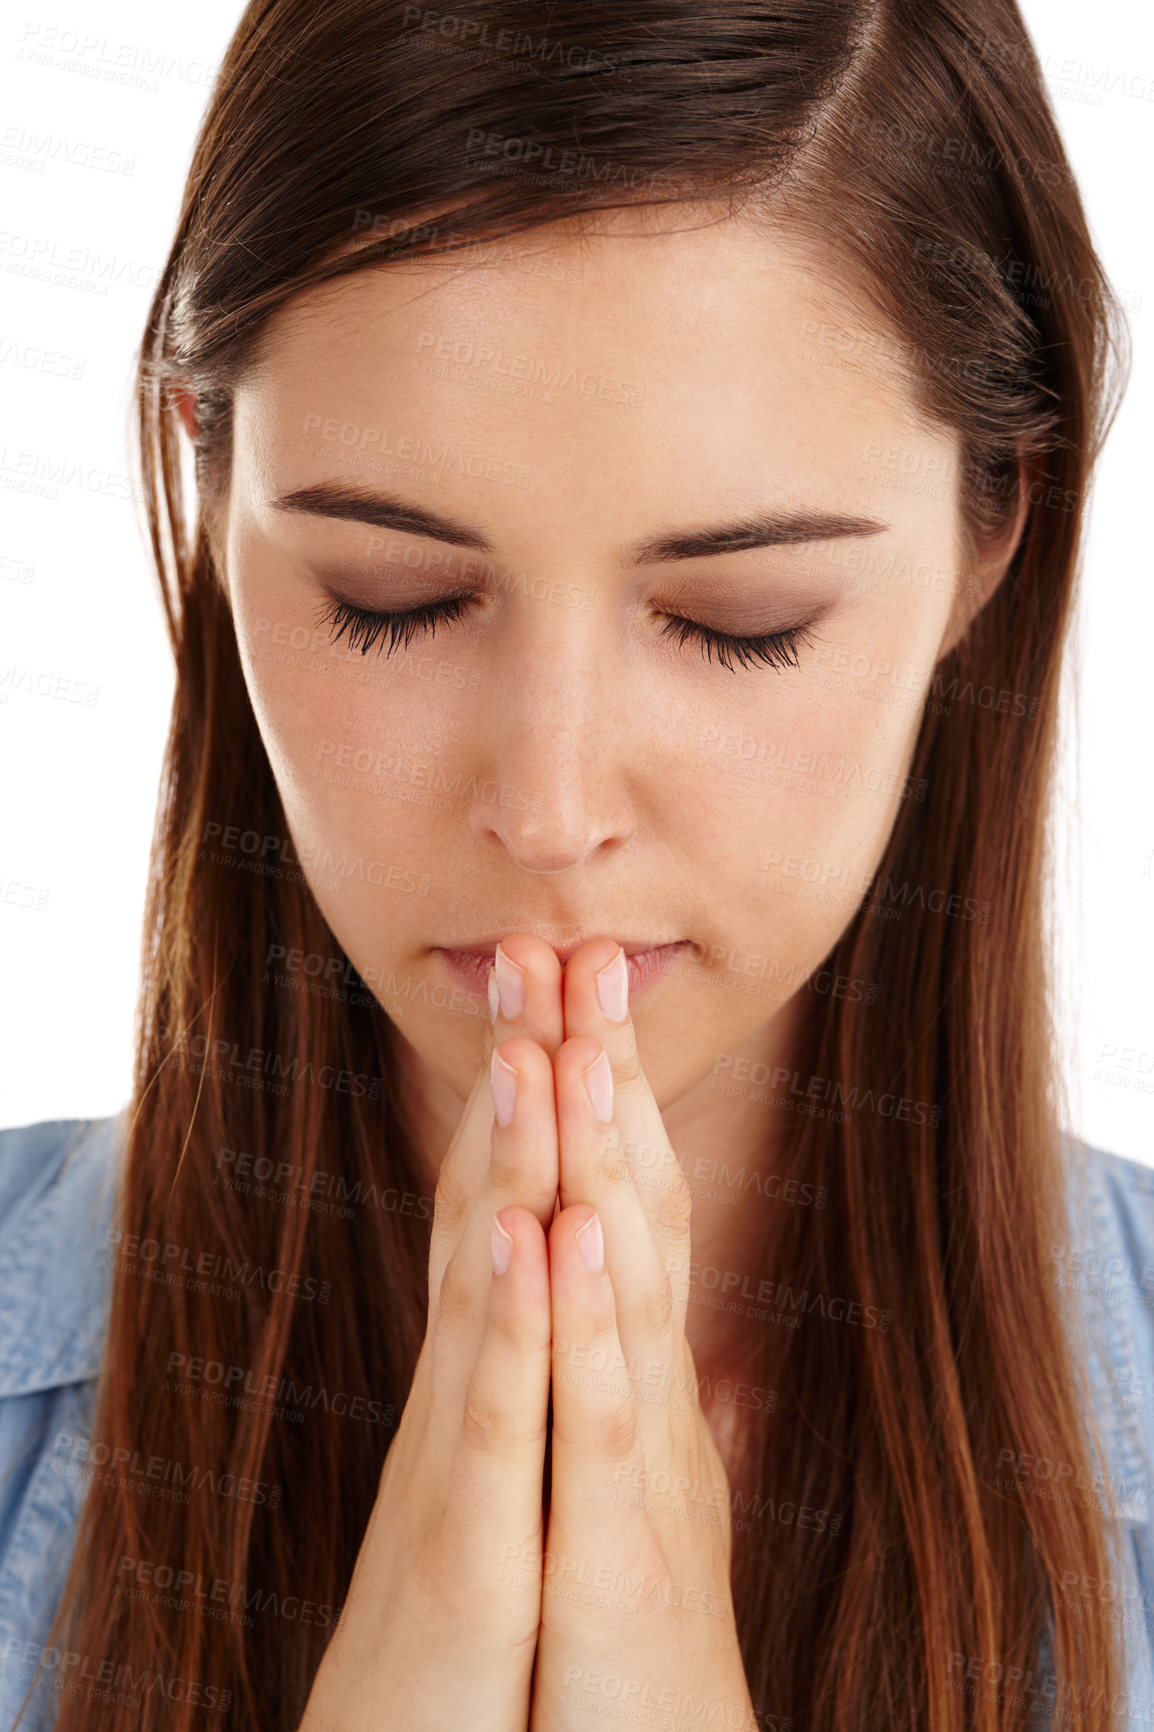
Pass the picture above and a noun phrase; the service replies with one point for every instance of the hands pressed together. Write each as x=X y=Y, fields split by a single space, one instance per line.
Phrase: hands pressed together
x=560 y=1249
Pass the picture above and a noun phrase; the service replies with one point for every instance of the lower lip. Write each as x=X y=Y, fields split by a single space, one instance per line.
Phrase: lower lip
x=645 y=969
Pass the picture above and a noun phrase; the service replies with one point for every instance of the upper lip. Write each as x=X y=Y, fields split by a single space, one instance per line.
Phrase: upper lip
x=631 y=946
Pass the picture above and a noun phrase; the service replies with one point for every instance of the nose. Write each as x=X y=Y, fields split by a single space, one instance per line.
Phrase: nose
x=556 y=746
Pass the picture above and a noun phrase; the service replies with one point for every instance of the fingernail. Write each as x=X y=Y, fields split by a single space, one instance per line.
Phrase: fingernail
x=494 y=995
x=510 y=984
x=503 y=1082
x=591 y=1244
x=599 y=1081
x=613 y=987
x=501 y=1245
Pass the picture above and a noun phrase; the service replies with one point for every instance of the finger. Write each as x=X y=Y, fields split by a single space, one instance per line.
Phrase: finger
x=597 y=1448
x=534 y=965
x=498 y=1467
x=595 y=1172
x=463 y=1167
x=525 y=990
x=595 y=992
x=522 y=1169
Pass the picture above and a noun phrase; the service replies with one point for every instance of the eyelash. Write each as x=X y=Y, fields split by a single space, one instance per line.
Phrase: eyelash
x=364 y=626
x=774 y=649
x=362 y=622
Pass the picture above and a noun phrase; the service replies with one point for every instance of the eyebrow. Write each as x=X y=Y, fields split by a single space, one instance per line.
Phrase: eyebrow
x=760 y=529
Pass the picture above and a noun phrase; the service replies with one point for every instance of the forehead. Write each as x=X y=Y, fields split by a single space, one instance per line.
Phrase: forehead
x=713 y=352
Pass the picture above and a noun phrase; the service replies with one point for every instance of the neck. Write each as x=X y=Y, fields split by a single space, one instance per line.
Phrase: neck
x=727 y=1137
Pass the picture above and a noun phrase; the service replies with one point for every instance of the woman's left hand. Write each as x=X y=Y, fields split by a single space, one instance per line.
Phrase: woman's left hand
x=637 y=1610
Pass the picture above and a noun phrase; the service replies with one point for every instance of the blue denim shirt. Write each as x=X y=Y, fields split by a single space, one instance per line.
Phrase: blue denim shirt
x=58 y=1185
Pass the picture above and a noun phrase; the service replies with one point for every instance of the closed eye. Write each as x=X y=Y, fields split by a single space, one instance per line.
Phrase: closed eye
x=367 y=626
x=772 y=648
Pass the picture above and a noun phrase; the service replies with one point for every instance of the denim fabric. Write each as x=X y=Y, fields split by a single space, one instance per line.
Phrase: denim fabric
x=58 y=1185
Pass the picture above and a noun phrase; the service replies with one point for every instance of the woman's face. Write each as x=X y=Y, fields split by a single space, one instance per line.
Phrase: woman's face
x=575 y=434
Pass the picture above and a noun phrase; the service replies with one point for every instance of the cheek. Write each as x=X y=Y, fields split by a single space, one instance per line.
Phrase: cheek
x=360 y=750
x=349 y=736
x=796 y=814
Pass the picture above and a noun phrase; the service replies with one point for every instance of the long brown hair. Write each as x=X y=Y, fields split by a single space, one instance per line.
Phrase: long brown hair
x=912 y=140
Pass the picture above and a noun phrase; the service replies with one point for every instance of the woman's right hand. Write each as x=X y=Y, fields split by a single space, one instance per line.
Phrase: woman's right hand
x=439 y=1626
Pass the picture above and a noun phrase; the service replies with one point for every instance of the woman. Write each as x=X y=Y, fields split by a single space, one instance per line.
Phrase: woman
x=592 y=1234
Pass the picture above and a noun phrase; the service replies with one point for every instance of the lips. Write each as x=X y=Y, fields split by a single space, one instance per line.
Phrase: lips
x=646 y=962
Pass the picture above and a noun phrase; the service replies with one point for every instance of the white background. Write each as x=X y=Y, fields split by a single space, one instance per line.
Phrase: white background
x=78 y=780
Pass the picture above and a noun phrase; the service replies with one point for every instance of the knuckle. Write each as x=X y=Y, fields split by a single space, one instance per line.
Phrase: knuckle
x=456 y=1301
x=626 y=1062
x=521 y=1331
x=451 y=1203
x=614 y=1167
x=482 y=1423
x=488 y=1428
x=657 y=1307
x=673 y=1208
x=618 y=1431
x=505 y=1172
x=603 y=1324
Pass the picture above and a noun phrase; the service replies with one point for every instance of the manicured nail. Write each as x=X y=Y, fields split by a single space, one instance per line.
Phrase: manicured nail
x=503 y=1082
x=494 y=995
x=501 y=1244
x=599 y=1081
x=591 y=1244
x=613 y=987
x=510 y=984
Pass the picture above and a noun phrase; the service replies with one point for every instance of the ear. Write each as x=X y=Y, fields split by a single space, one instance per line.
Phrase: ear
x=185 y=401
x=985 y=564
